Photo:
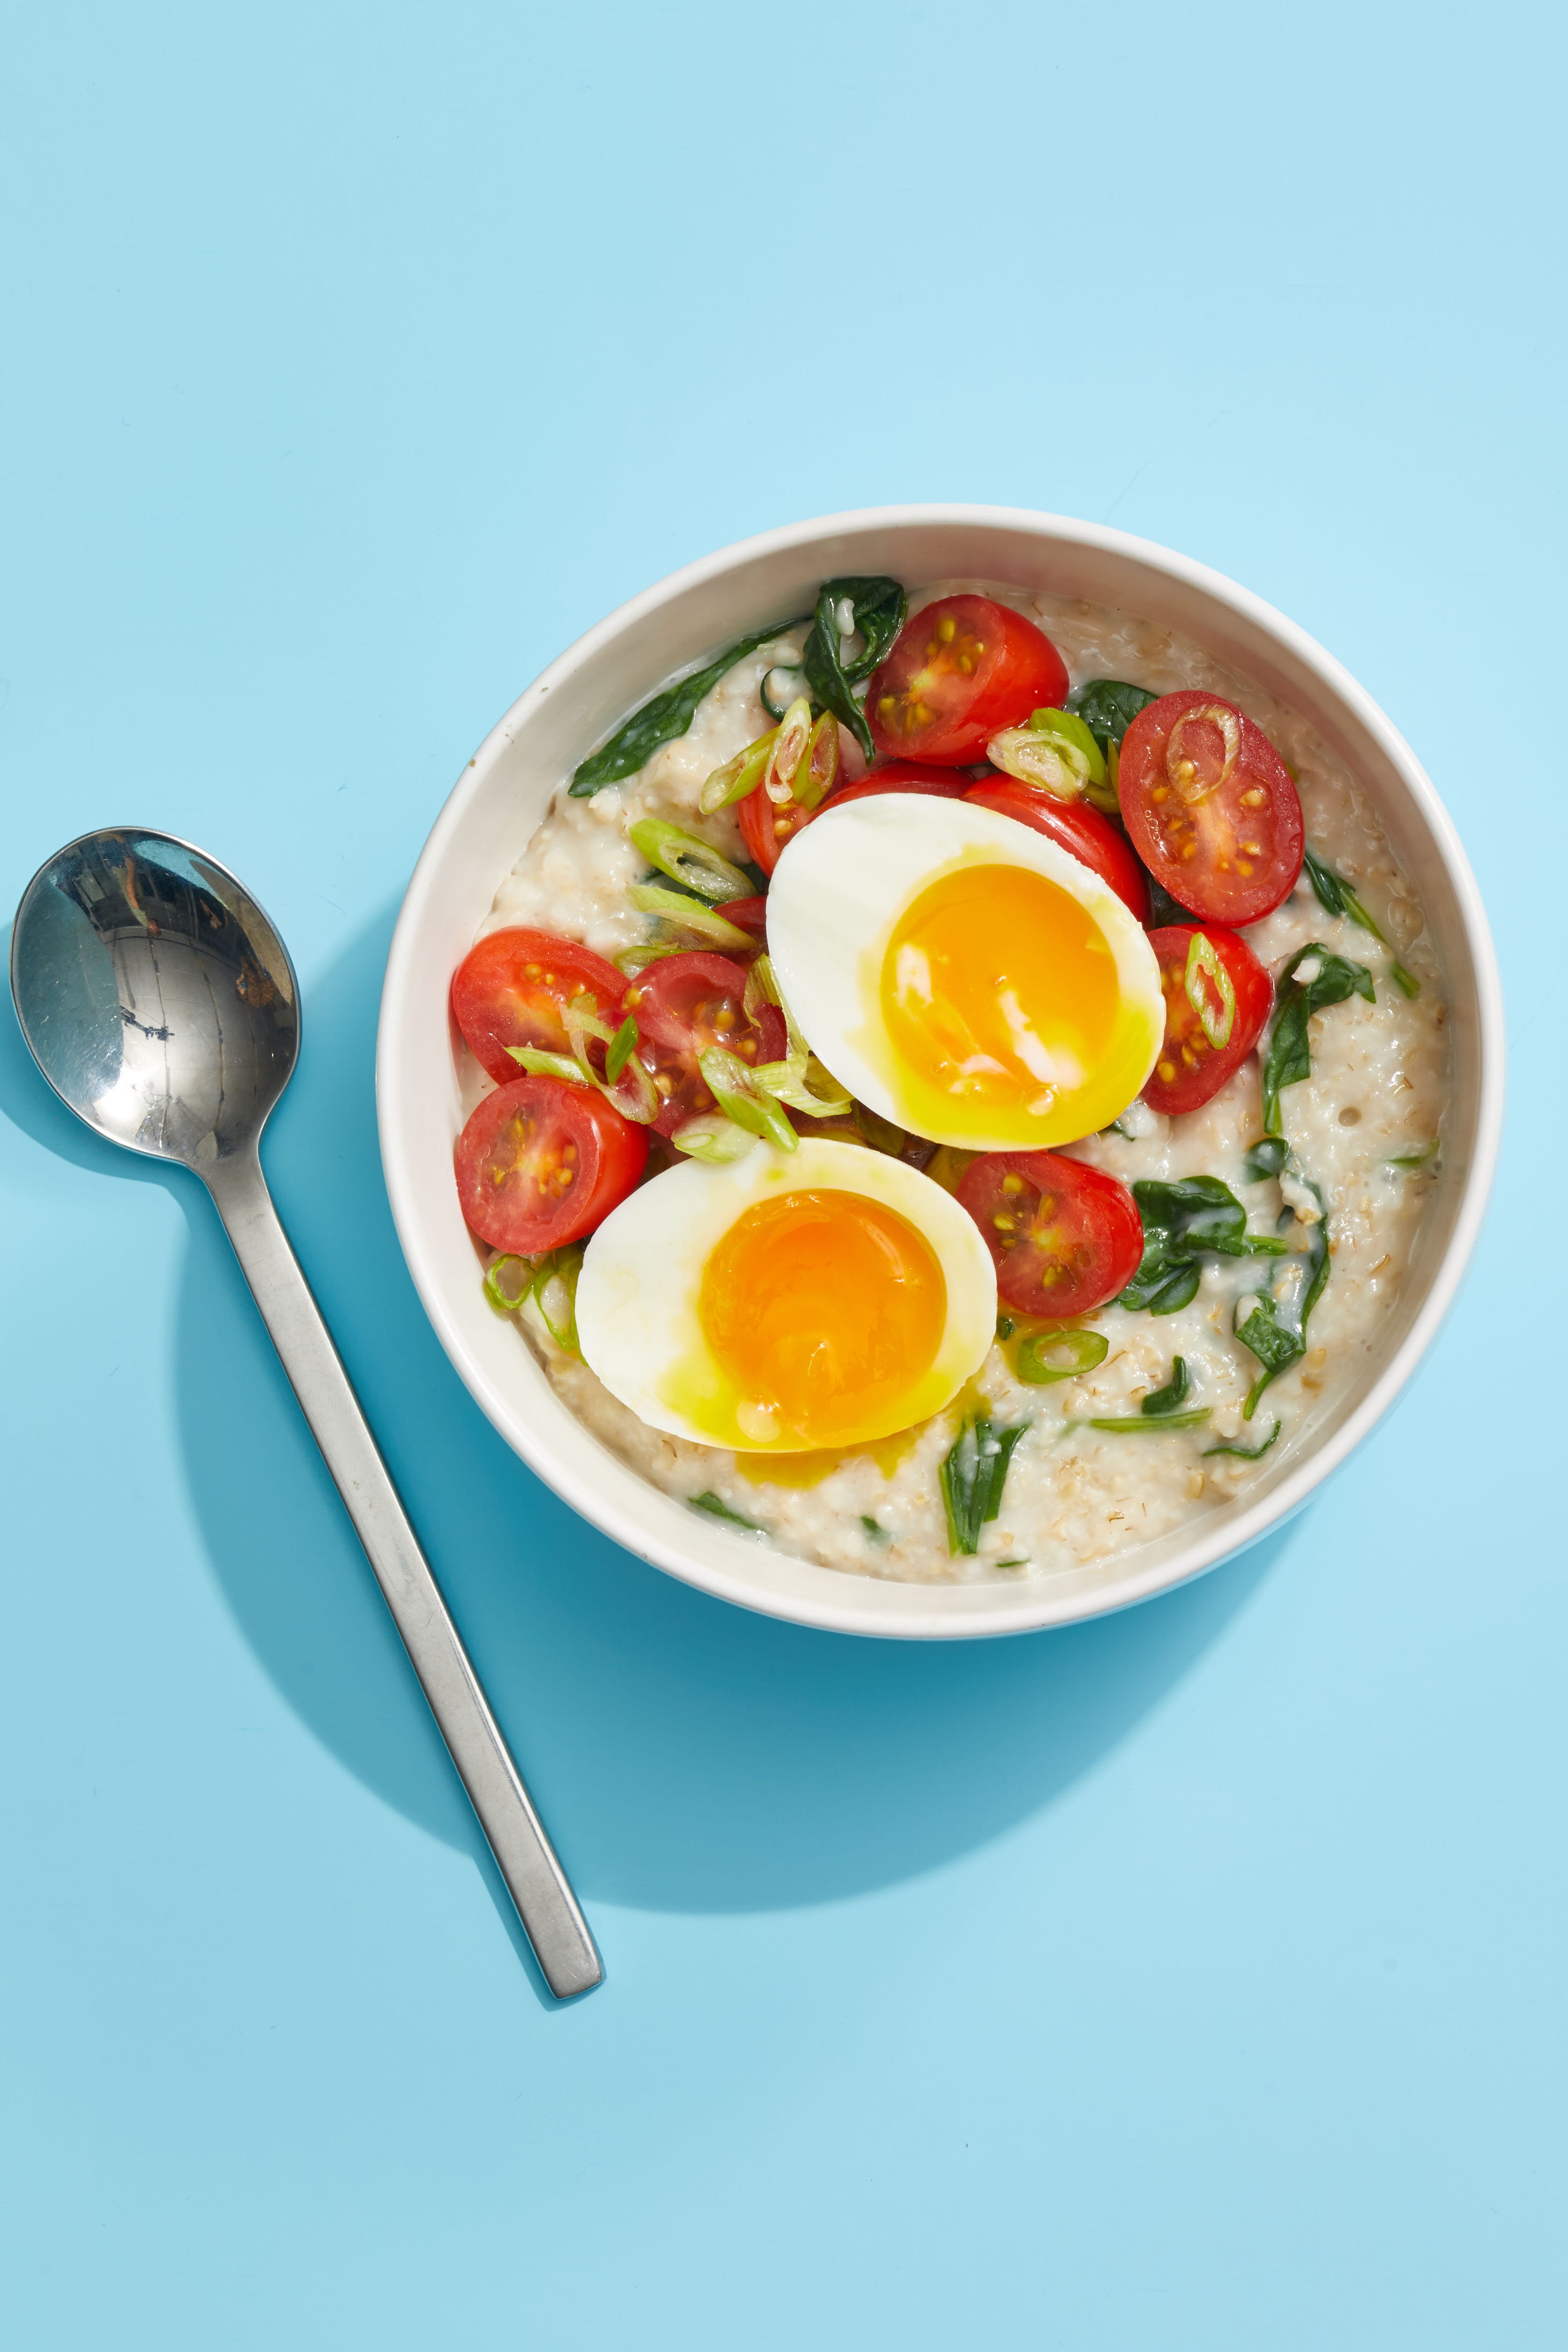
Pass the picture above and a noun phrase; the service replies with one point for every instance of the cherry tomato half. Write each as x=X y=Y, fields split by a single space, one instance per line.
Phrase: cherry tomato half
x=1065 y=1236
x=748 y=915
x=513 y=989
x=903 y=776
x=961 y=670
x=766 y=826
x=541 y=1162
x=1191 y=1068
x=1211 y=807
x=1084 y=831
x=684 y=1003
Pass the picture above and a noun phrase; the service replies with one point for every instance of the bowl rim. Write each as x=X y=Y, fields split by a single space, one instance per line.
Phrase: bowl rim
x=854 y=1612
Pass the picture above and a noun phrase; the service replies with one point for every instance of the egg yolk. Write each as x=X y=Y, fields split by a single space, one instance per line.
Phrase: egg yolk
x=1002 y=1002
x=825 y=1311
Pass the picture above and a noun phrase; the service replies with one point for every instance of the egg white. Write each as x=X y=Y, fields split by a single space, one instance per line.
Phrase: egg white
x=638 y=1320
x=840 y=890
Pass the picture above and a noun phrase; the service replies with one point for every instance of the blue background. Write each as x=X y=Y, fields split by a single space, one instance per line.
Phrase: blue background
x=1190 y=1978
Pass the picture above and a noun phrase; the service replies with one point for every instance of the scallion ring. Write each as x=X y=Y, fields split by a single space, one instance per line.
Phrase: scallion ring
x=688 y=859
x=691 y=916
x=1046 y=1357
x=1204 y=963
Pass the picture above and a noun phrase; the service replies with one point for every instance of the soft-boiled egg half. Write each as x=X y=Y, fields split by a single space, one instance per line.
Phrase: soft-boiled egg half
x=963 y=975
x=827 y=1297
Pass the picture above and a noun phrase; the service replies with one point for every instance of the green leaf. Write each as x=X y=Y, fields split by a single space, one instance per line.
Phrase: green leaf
x=1266 y=1159
x=880 y=605
x=668 y=715
x=972 y=1478
x=1335 y=896
x=716 y=1509
x=1274 y=1328
x=1289 y=1058
x=1406 y=981
x=1108 y=706
x=875 y=1534
x=1137 y=1424
x=1245 y=1453
x=1162 y=1402
x=1184 y=1222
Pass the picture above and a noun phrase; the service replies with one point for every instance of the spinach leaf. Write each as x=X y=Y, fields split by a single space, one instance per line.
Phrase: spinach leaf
x=1335 y=896
x=716 y=1509
x=1183 y=1222
x=1173 y=1395
x=1163 y=907
x=1289 y=1058
x=668 y=715
x=880 y=605
x=1108 y=706
x=1274 y=1326
x=1267 y=1158
x=1137 y=1424
x=973 y=1477
x=875 y=1532
x=1245 y=1453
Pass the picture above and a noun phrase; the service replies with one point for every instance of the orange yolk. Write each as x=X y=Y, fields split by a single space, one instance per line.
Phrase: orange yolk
x=826 y=1311
x=999 y=992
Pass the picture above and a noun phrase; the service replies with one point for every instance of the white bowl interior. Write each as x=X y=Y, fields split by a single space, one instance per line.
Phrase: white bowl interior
x=505 y=790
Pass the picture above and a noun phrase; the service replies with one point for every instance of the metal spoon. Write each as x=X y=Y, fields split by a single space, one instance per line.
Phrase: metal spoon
x=162 y=1006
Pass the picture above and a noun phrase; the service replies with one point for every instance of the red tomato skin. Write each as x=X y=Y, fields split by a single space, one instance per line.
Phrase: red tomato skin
x=748 y=915
x=766 y=826
x=1197 y=1081
x=1104 y=1229
x=1214 y=894
x=1082 y=831
x=664 y=998
x=1018 y=671
x=511 y=1130
x=902 y=776
x=496 y=1004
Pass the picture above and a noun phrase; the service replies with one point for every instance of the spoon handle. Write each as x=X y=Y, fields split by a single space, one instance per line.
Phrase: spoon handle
x=535 y=1880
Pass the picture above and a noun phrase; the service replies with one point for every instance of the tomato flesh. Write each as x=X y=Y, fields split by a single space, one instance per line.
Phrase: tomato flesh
x=961 y=670
x=766 y=826
x=1191 y=1070
x=1210 y=807
x=514 y=987
x=748 y=915
x=684 y=1003
x=1065 y=1237
x=541 y=1162
x=1082 y=831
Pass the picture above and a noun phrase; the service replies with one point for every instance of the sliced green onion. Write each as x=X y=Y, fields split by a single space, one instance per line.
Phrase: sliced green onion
x=688 y=915
x=716 y=1509
x=632 y=960
x=555 y=1295
x=738 y=776
x=1404 y=980
x=1204 y=962
x=688 y=859
x=1245 y=1453
x=622 y=1048
x=510 y=1301
x=1038 y=759
x=1126 y=1423
x=787 y=757
x=730 y=1082
x=713 y=1138
x=800 y=1079
x=540 y=1065
x=1046 y=1357
x=819 y=771
x=631 y=1085
x=1066 y=728
x=1420 y=1159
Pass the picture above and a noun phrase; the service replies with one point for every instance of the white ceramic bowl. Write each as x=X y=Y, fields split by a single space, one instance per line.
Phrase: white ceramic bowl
x=505 y=791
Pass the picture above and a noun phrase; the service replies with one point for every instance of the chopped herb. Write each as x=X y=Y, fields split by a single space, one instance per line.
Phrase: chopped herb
x=1245 y=1453
x=1049 y=1356
x=1010 y=1563
x=1274 y=1328
x=1125 y=1425
x=660 y=721
x=1335 y=896
x=879 y=605
x=1006 y=1327
x=1161 y=1401
x=1421 y=1158
x=875 y=1534
x=716 y=1509
x=1289 y=1058
x=973 y=1477
x=1108 y=706
x=622 y=1048
x=1183 y=1224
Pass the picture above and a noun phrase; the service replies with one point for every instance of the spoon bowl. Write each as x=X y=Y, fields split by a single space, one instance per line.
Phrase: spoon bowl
x=162 y=1006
